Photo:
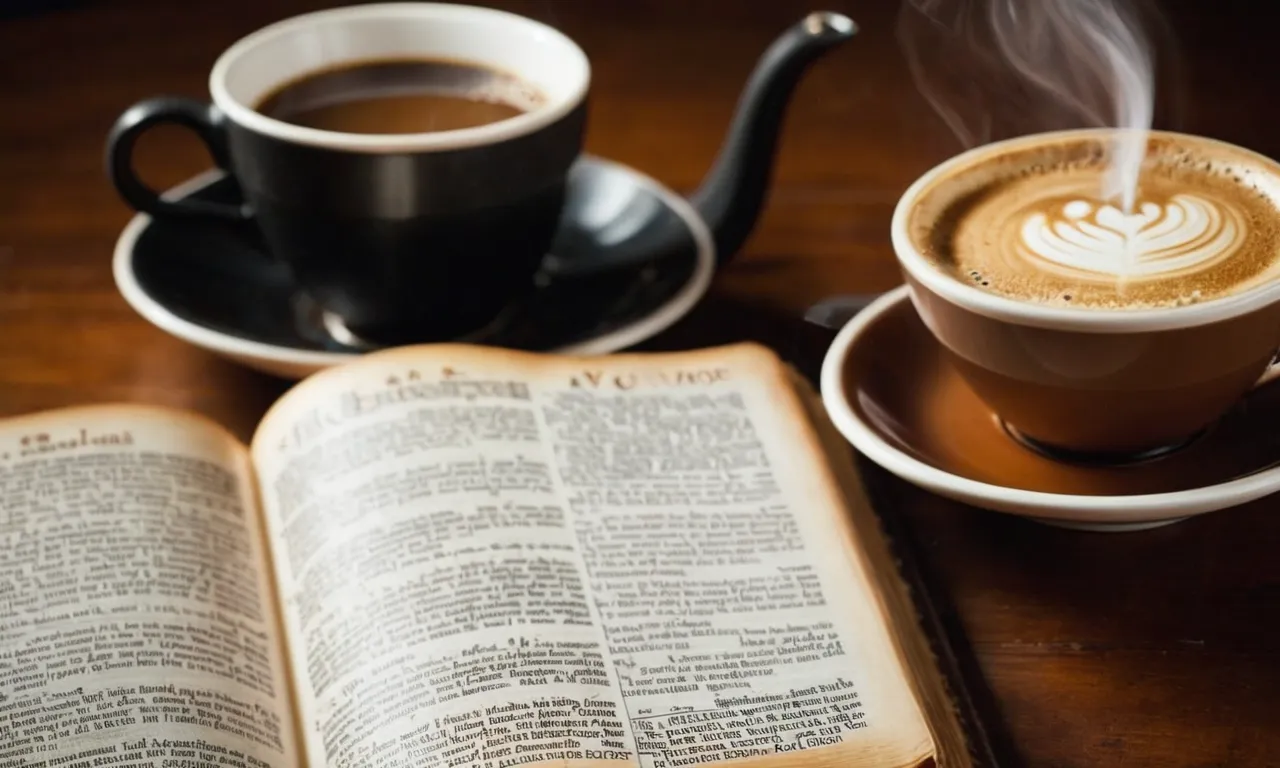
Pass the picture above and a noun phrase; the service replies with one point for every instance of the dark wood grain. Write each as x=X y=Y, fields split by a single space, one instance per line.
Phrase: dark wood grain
x=1150 y=649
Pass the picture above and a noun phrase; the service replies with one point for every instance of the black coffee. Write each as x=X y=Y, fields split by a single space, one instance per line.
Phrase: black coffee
x=401 y=96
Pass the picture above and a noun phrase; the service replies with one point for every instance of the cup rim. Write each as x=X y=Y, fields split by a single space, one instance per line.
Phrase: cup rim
x=1067 y=318
x=491 y=133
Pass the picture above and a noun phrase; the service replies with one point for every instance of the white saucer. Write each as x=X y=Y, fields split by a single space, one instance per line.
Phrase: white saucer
x=894 y=368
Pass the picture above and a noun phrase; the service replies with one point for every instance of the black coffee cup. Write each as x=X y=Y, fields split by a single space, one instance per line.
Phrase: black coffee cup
x=403 y=237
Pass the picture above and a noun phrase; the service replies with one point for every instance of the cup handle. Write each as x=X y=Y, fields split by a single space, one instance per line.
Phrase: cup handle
x=208 y=123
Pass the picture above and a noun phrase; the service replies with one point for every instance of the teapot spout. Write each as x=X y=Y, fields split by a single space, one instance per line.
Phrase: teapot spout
x=733 y=191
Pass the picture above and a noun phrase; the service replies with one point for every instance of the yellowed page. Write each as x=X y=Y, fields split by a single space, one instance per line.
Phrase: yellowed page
x=137 y=622
x=660 y=531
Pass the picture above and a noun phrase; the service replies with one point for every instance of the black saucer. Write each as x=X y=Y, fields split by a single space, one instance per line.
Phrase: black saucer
x=631 y=258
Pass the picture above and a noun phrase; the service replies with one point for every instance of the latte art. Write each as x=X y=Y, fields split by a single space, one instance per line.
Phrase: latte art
x=1031 y=224
x=1186 y=232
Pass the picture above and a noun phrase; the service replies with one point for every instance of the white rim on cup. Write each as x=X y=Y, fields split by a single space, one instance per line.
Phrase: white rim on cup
x=543 y=57
x=1068 y=318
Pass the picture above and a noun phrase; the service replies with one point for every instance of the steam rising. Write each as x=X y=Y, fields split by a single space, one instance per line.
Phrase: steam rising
x=998 y=68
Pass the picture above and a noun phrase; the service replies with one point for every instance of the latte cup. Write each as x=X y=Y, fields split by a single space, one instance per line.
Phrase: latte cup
x=401 y=237
x=1098 y=384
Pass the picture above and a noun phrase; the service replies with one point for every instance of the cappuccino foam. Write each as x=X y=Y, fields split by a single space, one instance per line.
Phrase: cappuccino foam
x=1032 y=225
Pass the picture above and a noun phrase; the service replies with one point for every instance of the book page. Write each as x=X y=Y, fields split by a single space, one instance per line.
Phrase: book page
x=137 y=623
x=433 y=595
x=711 y=532
x=497 y=559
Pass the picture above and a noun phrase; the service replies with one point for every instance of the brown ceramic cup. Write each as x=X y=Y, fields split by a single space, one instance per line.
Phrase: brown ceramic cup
x=1102 y=384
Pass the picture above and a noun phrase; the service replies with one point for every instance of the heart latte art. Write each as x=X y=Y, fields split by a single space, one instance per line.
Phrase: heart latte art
x=1186 y=232
x=1037 y=228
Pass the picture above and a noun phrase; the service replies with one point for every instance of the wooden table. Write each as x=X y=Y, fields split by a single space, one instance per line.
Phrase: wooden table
x=1150 y=649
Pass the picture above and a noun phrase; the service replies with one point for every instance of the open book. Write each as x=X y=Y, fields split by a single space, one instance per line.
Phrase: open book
x=457 y=556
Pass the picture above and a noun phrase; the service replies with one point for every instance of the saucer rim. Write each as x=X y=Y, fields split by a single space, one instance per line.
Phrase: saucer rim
x=156 y=313
x=1080 y=508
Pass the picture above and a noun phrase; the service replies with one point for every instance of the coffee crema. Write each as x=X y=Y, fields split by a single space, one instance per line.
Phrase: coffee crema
x=1031 y=225
x=400 y=96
